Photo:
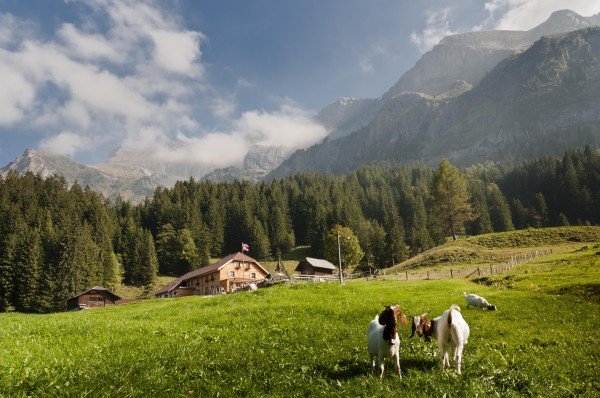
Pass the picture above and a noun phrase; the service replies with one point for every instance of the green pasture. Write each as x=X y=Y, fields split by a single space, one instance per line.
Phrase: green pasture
x=310 y=340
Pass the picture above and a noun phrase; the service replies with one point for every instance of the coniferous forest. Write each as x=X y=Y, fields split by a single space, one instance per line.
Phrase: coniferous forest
x=56 y=240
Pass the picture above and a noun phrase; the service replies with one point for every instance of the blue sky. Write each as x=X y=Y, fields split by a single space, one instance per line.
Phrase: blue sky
x=84 y=76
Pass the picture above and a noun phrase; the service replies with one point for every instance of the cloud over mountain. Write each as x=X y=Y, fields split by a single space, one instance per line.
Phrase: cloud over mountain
x=129 y=73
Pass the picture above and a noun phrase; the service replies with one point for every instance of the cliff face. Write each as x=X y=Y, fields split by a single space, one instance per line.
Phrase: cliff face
x=462 y=57
x=541 y=101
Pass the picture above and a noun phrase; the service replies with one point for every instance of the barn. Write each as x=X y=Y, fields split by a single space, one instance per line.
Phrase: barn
x=315 y=266
x=225 y=276
x=95 y=297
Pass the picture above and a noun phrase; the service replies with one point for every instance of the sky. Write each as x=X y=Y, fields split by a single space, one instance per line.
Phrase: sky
x=82 y=77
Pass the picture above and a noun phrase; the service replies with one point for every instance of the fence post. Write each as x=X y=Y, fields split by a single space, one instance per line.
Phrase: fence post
x=451 y=275
x=384 y=275
x=406 y=273
x=478 y=271
x=491 y=270
x=427 y=274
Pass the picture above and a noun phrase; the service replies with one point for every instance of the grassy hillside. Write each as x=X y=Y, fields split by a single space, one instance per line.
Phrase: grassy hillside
x=576 y=272
x=497 y=247
x=306 y=340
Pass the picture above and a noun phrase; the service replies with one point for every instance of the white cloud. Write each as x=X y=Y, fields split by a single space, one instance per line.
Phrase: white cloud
x=87 y=46
x=526 y=14
x=222 y=108
x=16 y=94
x=131 y=75
x=438 y=26
x=65 y=143
x=291 y=127
x=177 y=51
x=142 y=70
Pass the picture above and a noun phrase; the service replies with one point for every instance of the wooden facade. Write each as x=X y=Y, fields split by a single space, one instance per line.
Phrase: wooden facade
x=315 y=266
x=96 y=297
x=225 y=276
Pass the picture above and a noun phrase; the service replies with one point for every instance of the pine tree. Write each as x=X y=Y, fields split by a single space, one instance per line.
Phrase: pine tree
x=499 y=212
x=541 y=209
x=167 y=248
x=27 y=264
x=7 y=259
x=148 y=262
x=562 y=220
x=378 y=246
x=481 y=223
x=187 y=254
x=450 y=198
x=520 y=215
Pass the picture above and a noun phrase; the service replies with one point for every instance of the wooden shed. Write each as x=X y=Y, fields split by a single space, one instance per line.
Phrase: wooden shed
x=315 y=266
x=97 y=296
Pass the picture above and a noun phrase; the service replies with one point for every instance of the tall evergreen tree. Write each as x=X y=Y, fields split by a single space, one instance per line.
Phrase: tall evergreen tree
x=450 y=198
x=27 y=264
x=500 y=215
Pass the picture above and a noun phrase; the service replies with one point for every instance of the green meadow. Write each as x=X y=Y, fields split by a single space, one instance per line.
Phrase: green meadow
x=310 y=340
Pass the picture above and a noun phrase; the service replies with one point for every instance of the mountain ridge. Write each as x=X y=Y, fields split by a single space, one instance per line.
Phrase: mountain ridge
x=538 y=102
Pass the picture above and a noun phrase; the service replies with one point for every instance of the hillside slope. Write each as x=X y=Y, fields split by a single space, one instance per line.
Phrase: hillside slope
x=498 y=247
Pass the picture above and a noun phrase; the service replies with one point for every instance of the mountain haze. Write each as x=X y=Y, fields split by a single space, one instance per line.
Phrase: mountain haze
x=538 y=102
x=133 y=187
x=465 y=56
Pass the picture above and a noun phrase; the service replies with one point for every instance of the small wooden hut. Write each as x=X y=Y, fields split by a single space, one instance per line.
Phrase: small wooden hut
x=315 y=266
x=96 y=297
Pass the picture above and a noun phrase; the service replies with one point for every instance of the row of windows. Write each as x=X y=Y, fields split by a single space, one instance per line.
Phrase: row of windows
x=231 y=274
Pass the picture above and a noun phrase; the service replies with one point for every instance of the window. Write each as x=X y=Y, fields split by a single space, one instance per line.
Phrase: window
x=212 y=277
x=231 y=274
x=206 y=278
x=95 y=299
x=253 y=275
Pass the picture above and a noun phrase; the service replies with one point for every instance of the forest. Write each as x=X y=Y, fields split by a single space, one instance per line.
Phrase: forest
x=57 y=240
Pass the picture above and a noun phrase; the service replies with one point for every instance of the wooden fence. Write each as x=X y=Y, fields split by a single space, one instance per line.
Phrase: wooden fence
x=463 y=272
x=450 y=273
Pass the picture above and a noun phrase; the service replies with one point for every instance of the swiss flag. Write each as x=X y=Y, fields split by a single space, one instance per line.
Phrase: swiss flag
x=245 y=247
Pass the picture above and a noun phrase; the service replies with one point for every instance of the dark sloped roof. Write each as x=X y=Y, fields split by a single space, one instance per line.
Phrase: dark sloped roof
x=210 y=268
x=97 y=289
x=319 y=263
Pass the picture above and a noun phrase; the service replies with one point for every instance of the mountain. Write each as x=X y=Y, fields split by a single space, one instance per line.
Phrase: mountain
x=258 y=163
x=465 y=56
x=346 y=115
x=126 y=163
x=131 y=187
x=541 y=101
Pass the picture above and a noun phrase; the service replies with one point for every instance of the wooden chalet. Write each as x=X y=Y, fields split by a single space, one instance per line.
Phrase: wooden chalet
x=227 y=275
x=315 y=266
x=96 y=297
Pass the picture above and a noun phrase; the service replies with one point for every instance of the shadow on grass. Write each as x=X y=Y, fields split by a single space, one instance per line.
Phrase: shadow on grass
x=346 y=369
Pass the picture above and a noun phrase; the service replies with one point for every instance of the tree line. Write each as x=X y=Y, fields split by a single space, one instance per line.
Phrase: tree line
x=56 y=240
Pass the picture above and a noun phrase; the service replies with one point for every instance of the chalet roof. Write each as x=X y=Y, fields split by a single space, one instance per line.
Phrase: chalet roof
x=97 y=289
x=209 y=269
x=319 y=263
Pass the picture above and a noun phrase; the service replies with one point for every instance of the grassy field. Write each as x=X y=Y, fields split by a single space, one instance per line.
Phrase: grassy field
x=309 y=340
